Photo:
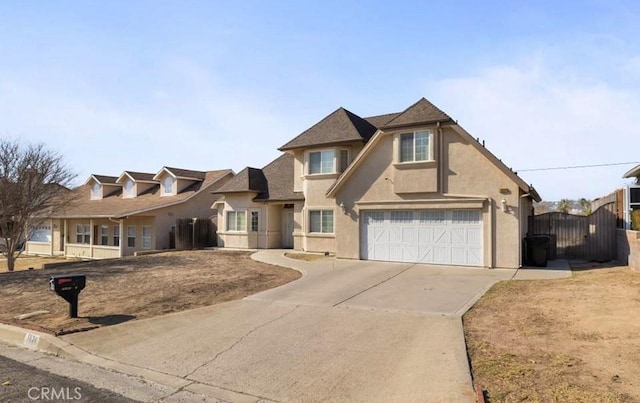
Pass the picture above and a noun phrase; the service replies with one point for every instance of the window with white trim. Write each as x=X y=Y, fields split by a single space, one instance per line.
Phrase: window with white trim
x=146 y=237
x=96 y=191
x=131 y=236
x=255 y=221
x=104 y=235
x=116 y=235
x=127 y=189
x=236 y=221
x=83 y=233
x=415 y=146
x=321 y=221
x=167 y=185
x=322 y=162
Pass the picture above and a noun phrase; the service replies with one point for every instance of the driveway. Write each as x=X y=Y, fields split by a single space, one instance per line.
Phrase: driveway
x=346 y=331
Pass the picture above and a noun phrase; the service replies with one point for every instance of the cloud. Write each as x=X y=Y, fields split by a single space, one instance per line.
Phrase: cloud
x=533 y=115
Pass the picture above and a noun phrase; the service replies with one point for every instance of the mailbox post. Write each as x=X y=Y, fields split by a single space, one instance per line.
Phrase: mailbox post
x=68 y=287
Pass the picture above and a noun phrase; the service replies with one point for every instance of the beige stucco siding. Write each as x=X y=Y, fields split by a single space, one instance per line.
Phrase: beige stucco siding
x=460 y=177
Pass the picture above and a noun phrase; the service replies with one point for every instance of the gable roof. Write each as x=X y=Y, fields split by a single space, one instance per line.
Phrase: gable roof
x=464 y=134
x=137 y=176
x=118 y=207
x=341 y=126
x=422 y=112
x=103 y=179
x=633 y=172
x=271 y=183
x=180 y=173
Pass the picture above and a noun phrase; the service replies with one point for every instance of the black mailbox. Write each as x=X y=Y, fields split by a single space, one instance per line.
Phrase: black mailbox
x=68 y=286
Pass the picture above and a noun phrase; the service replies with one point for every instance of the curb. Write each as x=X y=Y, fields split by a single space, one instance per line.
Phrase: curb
x=49 y=344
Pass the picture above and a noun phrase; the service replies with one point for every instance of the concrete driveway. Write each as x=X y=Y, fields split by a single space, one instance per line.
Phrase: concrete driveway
x=346 y=331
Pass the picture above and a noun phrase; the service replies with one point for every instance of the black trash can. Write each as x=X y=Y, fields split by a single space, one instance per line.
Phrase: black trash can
x=537 y=246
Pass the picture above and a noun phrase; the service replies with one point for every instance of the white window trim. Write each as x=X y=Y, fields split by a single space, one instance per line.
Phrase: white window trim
x=308 y=217
x=307 y=168
x=133 y=193
x=397 y=149
x=174 y=186
x=236 y=231
x=150 y=237
x=249 y=223
x=135 y=235
x=96 y=195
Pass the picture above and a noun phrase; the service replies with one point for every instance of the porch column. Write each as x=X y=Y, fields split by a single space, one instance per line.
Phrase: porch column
x=120 y=246
x=91 y=240
x=64 y=238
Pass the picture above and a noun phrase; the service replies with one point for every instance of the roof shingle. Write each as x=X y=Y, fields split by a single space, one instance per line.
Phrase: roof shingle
x=421 y=112
x=341 y=126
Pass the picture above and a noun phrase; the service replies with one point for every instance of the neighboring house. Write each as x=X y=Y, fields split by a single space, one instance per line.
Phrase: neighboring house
x=118 y=216
x=411 y=187
x=631 y=195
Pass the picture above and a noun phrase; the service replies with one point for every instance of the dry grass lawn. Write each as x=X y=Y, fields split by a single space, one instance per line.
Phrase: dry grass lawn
x=24 y=262
x=138 y=287
x=568 y=340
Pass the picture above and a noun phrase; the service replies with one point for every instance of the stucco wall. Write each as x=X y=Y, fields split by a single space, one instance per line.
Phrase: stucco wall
x=629 y=248
x=463 y=172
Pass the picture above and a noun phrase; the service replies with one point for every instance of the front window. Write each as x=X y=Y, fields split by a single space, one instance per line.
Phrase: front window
x=104 y=235
x=116 y=235
x=146 y=237
x=167 y=185
x=131 y=236
x=255 y=221
x=236 y=221
x=321 y=162
x=128 y=188
x=95 y=191
x=321 y=221
x=83 y=233
x=415 y=146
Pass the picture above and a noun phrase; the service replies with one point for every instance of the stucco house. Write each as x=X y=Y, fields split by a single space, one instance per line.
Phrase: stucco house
x=411 y=186
x=118 y=216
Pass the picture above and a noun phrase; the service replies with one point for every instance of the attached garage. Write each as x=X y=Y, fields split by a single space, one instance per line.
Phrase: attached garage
x=447 y=237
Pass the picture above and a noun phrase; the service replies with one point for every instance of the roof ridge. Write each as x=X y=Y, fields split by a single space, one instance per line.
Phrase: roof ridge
x=309 y=129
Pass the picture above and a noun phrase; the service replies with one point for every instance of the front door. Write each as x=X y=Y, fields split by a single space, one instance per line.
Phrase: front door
x=287 y=228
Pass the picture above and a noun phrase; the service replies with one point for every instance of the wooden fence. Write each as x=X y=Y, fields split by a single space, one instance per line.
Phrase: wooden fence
x=591 y=237
x=202 y=230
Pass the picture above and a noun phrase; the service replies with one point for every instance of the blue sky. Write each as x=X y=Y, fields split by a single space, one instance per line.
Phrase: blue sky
x=135 y=85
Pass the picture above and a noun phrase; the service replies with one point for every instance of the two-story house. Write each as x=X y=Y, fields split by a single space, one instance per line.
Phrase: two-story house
x=412 y=186
x=113 y=216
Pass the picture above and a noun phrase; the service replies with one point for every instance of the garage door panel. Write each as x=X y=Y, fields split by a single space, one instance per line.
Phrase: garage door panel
x=427 y=236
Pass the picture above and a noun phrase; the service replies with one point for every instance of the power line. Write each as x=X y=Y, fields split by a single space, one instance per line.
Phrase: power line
x=578 y=166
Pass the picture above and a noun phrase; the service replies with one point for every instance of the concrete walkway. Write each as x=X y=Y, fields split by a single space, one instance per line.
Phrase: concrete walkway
x=345 y=331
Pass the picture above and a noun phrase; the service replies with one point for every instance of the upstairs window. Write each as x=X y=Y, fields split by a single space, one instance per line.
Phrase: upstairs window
x=415 y=146
x=167 y=185
x=127 y=189
x=343 y=160
x=96 y=191
x=321 y=162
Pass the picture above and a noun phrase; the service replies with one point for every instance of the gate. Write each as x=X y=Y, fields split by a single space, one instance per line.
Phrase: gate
x=591 y=237
x=194 y=234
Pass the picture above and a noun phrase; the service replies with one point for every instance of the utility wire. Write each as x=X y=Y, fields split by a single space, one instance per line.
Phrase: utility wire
x=578 y=166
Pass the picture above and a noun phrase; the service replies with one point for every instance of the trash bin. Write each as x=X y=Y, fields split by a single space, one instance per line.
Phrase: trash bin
x=537 y=246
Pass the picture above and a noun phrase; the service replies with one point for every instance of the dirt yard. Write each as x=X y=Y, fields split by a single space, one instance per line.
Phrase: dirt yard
x=569 y=340
x=137 y=287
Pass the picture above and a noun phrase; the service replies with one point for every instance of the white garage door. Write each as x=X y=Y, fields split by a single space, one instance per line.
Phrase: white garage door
x=423 y=236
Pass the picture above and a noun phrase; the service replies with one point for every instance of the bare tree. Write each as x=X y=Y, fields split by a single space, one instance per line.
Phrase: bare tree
x=33 y=185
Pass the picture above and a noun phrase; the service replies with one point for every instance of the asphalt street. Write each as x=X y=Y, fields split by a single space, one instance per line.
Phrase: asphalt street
x=22 y=383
